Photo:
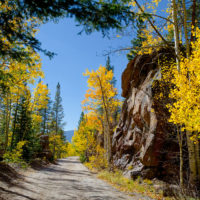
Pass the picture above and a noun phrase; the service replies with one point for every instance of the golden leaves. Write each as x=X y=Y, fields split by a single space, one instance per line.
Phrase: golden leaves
x=40 y=101
x=185 y=111
x=100 y=88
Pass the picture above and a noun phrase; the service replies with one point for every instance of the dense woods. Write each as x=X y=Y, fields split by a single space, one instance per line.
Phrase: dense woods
x=168 y=37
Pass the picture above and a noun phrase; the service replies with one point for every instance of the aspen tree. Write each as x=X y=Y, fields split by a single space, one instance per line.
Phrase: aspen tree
x=101 y=93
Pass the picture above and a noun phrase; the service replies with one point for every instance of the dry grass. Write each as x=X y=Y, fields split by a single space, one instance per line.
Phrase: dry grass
x=144 y=187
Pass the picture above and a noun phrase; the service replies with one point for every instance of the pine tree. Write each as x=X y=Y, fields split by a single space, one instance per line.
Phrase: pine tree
x=46 y=116
x=81 y=119
x=110 y=67
x=57 y=118
x=57 y=111
x=22 y=127
x=113 y=83
x=137 y=42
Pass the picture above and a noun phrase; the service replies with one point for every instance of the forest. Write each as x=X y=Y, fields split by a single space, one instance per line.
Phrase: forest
x=151 y=135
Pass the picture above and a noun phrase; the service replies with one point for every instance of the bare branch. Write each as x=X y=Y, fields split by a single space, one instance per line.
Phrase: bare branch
x=161 y=17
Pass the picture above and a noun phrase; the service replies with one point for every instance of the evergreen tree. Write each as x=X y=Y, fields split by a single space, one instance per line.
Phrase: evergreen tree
x=58 y=113
x=137 y=42
x=46 y=117
x=81 y=119
x=2 y=120
x=57 y=119
x=113 y=82
x=22 y=126
x=110 y=67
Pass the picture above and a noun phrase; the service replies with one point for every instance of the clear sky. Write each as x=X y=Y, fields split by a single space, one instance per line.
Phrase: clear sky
x=76 y=53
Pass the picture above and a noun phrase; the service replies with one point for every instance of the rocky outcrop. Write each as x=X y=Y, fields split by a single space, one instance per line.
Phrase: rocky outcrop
x=143 y=142
x=45 y=149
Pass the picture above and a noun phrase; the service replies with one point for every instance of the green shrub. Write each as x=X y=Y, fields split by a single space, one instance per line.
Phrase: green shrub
x=15 y=156
x=83 y=158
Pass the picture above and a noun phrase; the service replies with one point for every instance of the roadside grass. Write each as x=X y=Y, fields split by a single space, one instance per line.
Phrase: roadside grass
x=144 y=187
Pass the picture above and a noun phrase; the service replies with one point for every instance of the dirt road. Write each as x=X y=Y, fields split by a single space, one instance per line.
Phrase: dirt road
x=68 y=180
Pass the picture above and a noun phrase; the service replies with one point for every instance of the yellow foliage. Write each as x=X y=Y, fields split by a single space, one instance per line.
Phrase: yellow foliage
x=57 y=143
x=98 y=161
x=124 y=184
x=71 y=151
x=84 y=138
x=184 y=97
x=84 y=142
x=101 y=92
x=152 y=40
x=151 y=43
x=40 y=101
x=16 y=155
x=100 y=104
x=185 y=111
x=15 y=23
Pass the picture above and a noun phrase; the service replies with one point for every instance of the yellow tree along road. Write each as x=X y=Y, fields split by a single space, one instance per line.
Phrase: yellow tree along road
x=68 y=180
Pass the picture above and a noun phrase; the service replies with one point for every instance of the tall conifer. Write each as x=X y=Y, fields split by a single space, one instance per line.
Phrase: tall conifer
x=57 y=111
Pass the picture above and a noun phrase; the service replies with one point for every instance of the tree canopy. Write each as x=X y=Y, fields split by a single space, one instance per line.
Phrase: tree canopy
x=18 y=18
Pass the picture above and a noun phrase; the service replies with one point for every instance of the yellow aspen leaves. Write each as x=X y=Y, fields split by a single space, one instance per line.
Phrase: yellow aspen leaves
x=185 y=109
x=40 y=101
x=100 y=89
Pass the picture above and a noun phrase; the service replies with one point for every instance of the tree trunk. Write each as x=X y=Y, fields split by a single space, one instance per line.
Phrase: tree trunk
x=54 y=149
x=14 y=125
x=8 y=114
x=105 y=106
x=176 y=33
x=44 y=122
x=192 y=160
x=180 y=140
x=197 y=153
x=185 y=29
x=105 y=138
x=193 y=21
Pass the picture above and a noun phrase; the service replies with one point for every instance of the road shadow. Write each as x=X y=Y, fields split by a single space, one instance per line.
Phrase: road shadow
x=8 y=175
x=64 y=171
x=16 y=193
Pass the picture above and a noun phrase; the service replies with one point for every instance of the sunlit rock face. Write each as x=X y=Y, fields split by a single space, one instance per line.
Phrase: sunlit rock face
x=143 y=143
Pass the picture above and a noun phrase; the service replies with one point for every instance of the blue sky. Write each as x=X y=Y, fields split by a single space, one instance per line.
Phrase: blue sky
x=76 y=53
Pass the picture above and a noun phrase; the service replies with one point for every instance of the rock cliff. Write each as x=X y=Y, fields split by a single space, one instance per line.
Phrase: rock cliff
x=143 y=143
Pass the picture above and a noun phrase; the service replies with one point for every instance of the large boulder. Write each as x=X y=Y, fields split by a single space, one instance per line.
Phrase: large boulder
x=141 y=137
x=45 y=150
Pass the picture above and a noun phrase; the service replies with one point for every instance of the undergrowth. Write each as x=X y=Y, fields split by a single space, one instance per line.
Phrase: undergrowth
x=15 y=156
x=144 y=187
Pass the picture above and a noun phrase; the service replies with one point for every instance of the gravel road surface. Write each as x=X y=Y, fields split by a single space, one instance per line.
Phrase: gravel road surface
x=68 y=180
